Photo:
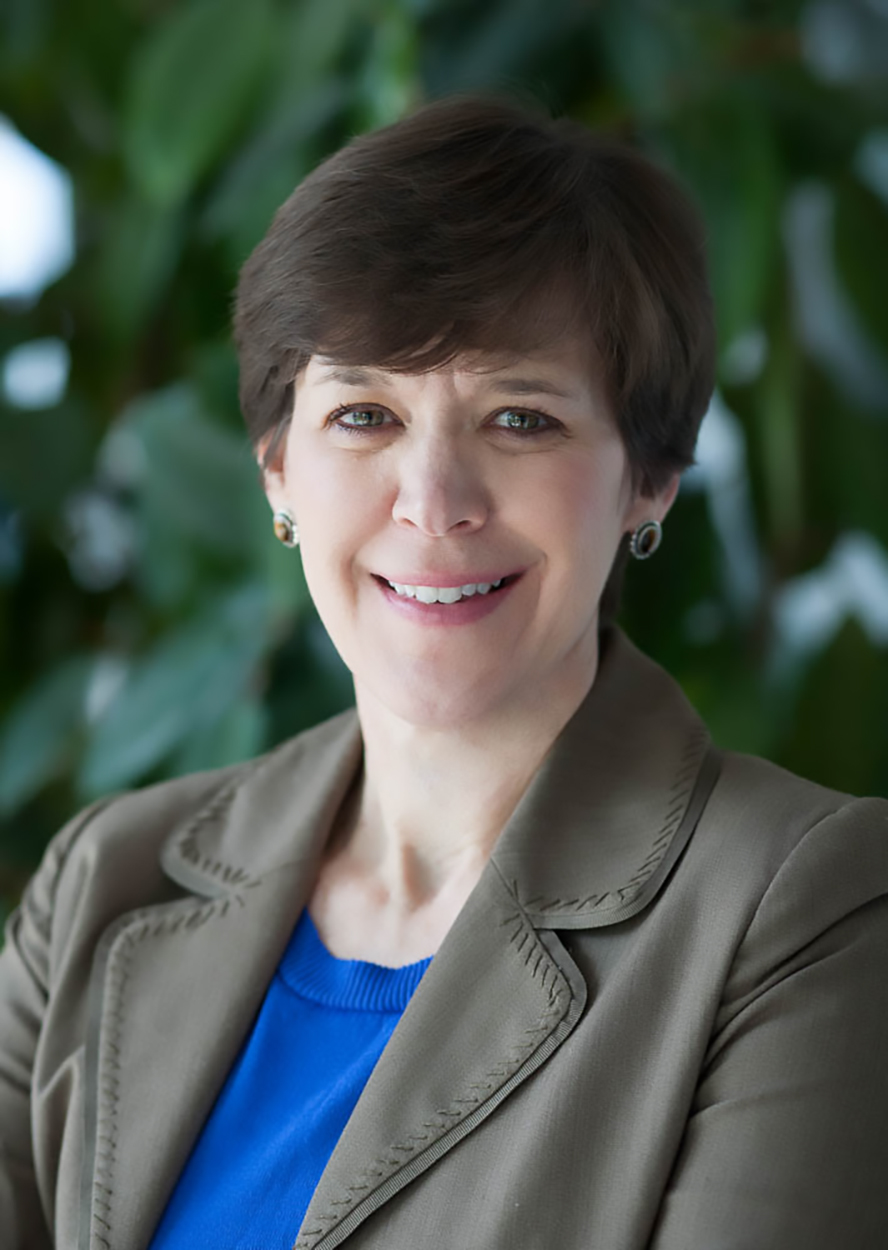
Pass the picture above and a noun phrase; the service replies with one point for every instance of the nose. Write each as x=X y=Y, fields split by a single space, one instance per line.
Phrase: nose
x=439 y=489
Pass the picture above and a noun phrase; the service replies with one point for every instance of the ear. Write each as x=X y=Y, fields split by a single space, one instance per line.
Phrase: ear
x=666 y=497
x=271 y=471
x=654 y=507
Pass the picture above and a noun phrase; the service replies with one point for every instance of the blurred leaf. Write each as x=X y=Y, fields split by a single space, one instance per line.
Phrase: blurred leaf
x=643 y=45
x=268 y=168
x=840 y=723
x=238 y=734
x=780 y=441
x=845 y=461
x=287 y=588
x=198 y=496
x=311 y=36
x=191 y=83
x=183 y=685
x=134 y=264
x=23 y=28
x=860 y=227
x=39 y=732
x=202 y=478
x=305 y=95
x=44 y=454
x=389 y=84
x=475 y=46
x=723 y=147
x=728 y=693
x=307 y=681
x=213 y=372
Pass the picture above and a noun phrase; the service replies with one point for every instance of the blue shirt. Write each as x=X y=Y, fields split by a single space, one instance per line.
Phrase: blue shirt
x=319 y=1033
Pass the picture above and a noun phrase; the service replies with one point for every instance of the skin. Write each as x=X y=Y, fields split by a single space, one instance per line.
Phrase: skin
x=455 y=718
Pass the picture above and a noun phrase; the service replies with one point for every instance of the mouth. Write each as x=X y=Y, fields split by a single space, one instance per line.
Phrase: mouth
x=447 y=594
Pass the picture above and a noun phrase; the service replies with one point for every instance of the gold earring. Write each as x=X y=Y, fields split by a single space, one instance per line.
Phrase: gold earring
x=285 y=529
x=646 y=539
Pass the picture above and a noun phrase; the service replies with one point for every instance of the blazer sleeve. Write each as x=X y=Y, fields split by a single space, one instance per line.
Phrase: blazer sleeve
x=25 y=979
x=787 y=1142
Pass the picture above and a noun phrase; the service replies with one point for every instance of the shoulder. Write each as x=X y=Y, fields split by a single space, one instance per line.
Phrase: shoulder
x=144 y=817
x=111 y=857
x=770 y=810
x=138 y=821
x=106 y=860
x=791 y=858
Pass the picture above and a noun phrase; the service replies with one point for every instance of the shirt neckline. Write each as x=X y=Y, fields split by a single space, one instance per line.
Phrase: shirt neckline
x=311 y=971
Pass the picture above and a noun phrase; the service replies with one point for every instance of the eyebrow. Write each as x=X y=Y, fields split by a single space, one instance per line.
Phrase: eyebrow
x=353 y=375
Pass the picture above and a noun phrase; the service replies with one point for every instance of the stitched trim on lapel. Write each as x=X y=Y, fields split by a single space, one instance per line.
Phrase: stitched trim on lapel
x=550 y=994
x=175 y=990
x=275 y=809
x=615 y=800
x=107 y=990
x=626 y=901
x=185 y=861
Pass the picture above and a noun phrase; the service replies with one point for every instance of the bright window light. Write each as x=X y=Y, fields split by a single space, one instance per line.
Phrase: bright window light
x=36 y=218
x=35 y=374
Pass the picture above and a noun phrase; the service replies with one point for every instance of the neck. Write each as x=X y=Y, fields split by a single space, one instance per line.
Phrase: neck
x=432 y=801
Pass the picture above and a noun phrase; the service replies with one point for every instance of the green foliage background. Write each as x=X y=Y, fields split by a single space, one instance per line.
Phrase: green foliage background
x=184 y=123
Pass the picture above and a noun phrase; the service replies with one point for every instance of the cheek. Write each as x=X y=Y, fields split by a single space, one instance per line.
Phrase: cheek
x=579 y=521
x=579 y=508
x=310 y=480
x=332 y=494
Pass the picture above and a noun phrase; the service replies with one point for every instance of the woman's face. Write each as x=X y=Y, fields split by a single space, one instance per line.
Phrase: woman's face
x=507 y=479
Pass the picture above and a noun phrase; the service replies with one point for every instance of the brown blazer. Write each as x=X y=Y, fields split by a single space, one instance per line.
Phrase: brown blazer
x=660 y=1020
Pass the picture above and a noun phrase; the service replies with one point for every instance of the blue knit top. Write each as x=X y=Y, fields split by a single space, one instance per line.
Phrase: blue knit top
x=320 y=1030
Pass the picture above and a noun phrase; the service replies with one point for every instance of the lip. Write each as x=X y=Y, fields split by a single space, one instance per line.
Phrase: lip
x=445 y=581
x=465 y=612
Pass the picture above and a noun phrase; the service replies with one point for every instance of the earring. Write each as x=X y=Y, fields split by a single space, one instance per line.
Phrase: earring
x=285 y=529
x=646 y=539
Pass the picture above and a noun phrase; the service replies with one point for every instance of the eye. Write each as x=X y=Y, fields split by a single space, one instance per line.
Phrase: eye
x=357 y=418
x=517 y=421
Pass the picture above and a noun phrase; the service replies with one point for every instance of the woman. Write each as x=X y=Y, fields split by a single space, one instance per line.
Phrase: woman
x=510 y=956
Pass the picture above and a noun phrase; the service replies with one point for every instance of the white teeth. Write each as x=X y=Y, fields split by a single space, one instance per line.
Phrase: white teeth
x=444 y=594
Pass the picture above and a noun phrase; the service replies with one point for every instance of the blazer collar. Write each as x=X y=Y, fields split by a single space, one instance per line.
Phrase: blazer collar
x=590 y=843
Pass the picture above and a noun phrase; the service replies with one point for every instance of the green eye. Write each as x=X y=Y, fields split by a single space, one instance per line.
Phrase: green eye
x=524 y=422
x=358 y=418
x=365 y=417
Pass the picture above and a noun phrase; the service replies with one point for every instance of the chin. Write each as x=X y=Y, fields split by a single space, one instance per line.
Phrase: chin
x=446 y=703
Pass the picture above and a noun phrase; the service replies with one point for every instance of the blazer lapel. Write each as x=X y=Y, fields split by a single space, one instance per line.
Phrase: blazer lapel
x=590 y=844
x=180 y=987
x=496 y=1002
x=614 y=803
x=177 y=986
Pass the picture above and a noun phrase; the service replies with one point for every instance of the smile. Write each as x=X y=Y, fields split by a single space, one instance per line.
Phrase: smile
x=444 y=594
x=422 y=603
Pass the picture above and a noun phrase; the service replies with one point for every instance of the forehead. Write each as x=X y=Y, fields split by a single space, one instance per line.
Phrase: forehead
x=569 y=371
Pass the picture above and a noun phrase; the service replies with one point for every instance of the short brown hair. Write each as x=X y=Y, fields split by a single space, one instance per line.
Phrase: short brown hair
x=481 y=223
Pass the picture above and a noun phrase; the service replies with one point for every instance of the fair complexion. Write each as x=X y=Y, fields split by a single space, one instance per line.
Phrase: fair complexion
x=485 y=469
